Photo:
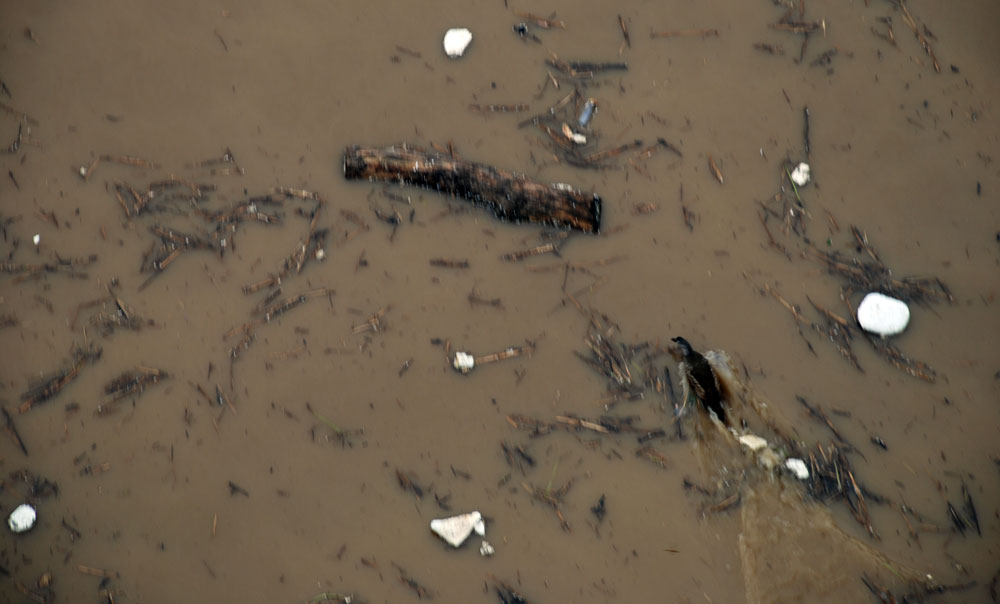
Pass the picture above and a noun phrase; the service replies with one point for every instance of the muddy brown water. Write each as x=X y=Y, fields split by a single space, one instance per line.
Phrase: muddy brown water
x=905 y=153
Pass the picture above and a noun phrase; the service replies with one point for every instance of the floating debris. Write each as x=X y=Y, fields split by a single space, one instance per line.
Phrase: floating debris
x=486 y=550
x=588 y=111
x=456 y=529
x=798 y=467
x=508 y=195
x=456 y=40
x=464 y=362
x=752 y=442
x=133 y=382
x=800 y=175
x=53 y=385
x=22 y=518
x=883 y=315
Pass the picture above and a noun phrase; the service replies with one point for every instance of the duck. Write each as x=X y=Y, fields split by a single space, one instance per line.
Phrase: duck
x=700 y=377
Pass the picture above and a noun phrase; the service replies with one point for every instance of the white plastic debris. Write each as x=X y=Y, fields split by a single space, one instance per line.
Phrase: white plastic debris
x=800 y=175
x=576 y=137
x=22 y=518
x=456 y=41
x=464 y=362
x=753 y=442
x=456 y=530
x=798 y=467
x=36 y=239
x=486 y=550
x=882 y=315
x=320 y=254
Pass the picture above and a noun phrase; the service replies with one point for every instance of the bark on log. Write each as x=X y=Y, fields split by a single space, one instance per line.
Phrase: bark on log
x=509 y=195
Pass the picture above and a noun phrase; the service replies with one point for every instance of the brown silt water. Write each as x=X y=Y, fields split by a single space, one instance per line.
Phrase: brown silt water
x=228 y=372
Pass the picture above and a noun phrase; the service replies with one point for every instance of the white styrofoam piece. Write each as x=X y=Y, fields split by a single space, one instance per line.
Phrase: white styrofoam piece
x=456 y=41
x=882 y=315
x=456 y=529
x=22 y=518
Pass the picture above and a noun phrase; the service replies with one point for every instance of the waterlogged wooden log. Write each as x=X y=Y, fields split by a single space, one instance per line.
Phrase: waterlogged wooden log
x=508 y=195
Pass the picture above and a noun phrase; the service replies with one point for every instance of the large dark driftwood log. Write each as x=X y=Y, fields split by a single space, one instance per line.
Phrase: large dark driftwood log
x=510 y=196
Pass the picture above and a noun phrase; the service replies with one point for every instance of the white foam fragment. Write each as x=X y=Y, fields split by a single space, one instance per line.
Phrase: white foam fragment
x=800 y=175
x=456 y=41
x=882 y=315
x=486 y=550
x=753 y=442
x=798 y=467
x=36 y=239
x=464 y=362
x=576 y=137
x=456 y=530
x=22 y=518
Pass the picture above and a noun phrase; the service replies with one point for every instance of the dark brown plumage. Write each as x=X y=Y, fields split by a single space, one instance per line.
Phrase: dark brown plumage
x=701 y=378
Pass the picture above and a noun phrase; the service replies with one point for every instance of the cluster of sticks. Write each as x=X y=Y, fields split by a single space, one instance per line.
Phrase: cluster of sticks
x=832 y=477
x=312 y=246
x=132 y=382
x=920 y=593
x=577 y=144
x=53 y=384
x=874 y=275
x=114 y=314
x=617 y=361
x=179 y=196
x=793 y=21
x=63 y=266
x=859 y=275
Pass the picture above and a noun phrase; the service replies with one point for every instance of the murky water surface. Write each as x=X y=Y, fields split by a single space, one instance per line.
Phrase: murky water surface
x=290 y=491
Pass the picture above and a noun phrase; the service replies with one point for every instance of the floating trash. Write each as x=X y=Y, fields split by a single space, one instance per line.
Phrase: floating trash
x=587 y=112
x=576 y=137
x=456 y=530
x=798 y=467
x=464 y=362
x=486 y=550
x=36 y=239
x=22 y=518
x=800 y=175
x=456 y=41
x=882 y=315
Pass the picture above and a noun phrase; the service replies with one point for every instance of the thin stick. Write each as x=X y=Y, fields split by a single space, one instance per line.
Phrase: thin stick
x=685 y=33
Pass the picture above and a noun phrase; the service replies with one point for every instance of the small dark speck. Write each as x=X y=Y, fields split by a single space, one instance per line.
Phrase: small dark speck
x=954 y=68
x=926 y=104
x=979 y=188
